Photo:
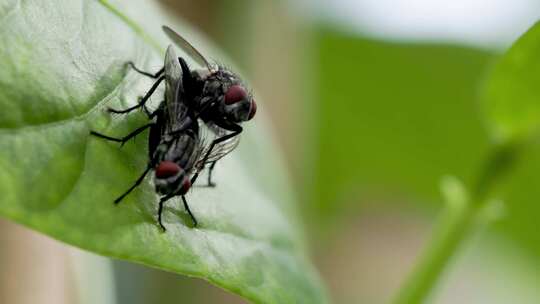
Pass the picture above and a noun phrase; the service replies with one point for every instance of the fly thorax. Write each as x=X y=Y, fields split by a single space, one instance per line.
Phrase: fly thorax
x=201 y=74
x=212 y=89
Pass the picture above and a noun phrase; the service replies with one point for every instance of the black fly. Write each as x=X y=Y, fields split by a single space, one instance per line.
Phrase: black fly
x=174 y=143
x=218 y=98
x=177 y=152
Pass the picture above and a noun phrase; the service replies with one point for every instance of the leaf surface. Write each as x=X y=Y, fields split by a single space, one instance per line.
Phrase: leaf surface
x=63 y=64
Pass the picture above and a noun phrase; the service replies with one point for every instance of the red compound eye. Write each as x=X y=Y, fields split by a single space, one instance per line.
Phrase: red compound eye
x=167 y=169
x=253 y=109
x=234 y=94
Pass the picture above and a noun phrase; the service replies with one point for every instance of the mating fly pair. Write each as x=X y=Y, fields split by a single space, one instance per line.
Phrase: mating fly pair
x=177 y=150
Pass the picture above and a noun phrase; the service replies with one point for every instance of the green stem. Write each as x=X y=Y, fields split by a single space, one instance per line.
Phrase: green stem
x=457 y=223
x=133 y=25
x=454 y=227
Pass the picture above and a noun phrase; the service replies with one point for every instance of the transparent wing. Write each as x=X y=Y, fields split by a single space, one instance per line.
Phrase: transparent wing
x=219 y=150
x=186 y=47
x=176 y=107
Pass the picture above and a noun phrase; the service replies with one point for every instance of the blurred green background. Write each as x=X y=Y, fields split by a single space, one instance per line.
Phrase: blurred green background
x=371 y=114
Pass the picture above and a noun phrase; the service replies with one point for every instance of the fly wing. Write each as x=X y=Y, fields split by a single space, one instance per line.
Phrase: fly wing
x=186 y=47
x=220 y=150
x=174 y=89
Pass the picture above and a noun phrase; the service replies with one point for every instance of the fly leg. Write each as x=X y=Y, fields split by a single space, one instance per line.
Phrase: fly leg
x=210 y=183
x=135 y=185
x=156 y=75
x=142 y=101
x=210 y=169
x=152 y=114
x=189 y=211
x=124 y=139
x=160 y=210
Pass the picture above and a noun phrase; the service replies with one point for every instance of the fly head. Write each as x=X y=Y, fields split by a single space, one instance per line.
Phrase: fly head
x=171 y=178
x=234 y=101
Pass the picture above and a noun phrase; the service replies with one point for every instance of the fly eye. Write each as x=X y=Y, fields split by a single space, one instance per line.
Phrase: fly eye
x=253 y=110
x=166 y=169
x=235 y=94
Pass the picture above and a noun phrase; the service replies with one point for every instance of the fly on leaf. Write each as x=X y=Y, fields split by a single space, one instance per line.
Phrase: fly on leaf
x=218 y=97
x=177 y=150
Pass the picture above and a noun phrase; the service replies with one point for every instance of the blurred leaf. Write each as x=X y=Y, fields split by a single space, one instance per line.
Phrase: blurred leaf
x=454 y=192
x=512 y=94
x=397 y=119
x=62 y=64
x=520 y=194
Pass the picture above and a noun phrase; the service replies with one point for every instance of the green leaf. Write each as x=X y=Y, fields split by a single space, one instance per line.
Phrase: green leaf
x=512 y=92
x=412 y=110
x=397 y=121
x=63 y=63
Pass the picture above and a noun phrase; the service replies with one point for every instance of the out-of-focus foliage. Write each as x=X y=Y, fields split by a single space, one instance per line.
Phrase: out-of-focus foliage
x=394 y=118
x=512 y=101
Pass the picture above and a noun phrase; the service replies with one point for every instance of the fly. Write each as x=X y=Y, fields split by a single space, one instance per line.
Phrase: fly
x=218 y=97
x=174 y=143
x=177 y=153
